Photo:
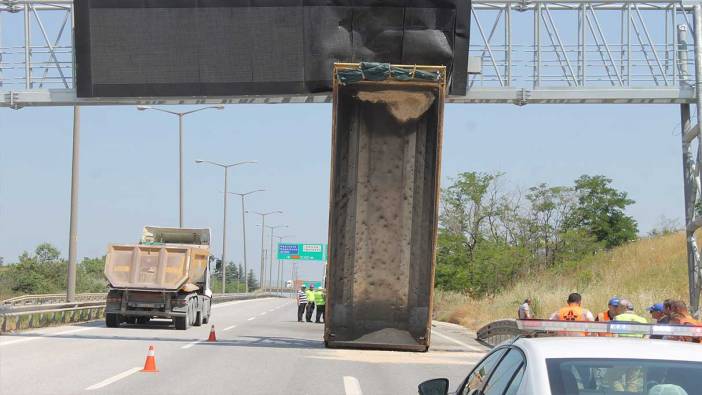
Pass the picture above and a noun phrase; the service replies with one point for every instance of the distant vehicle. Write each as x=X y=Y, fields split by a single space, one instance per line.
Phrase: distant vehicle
x=583 y=366
x=166 y=275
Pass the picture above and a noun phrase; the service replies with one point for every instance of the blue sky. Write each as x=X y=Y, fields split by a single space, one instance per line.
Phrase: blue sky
x=129 y=174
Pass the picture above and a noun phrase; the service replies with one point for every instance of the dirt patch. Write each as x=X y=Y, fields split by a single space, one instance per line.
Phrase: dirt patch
x=387 y=336
x=404 y=106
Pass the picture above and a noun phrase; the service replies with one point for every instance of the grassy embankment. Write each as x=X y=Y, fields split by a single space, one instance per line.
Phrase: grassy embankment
x=645 y=271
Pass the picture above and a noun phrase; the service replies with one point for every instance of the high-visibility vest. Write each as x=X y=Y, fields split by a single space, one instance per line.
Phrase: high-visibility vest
x=604 y=316
x=692 y=322
x=572 y=312
x=319 y=298
x=310 y=296
x=631 y=317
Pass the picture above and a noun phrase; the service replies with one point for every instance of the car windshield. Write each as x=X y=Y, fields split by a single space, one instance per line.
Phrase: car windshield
x=623 y=376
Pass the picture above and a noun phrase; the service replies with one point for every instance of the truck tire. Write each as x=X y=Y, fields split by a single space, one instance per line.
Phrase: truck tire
x=182 y=323
x=206 y=318
x=198 y=318
x=143 y=320
x=112 y=320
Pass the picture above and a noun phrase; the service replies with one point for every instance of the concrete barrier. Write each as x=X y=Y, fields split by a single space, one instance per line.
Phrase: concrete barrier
x=21 y=320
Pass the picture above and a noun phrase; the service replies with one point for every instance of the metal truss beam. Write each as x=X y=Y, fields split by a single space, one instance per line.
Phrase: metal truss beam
x=531 y=51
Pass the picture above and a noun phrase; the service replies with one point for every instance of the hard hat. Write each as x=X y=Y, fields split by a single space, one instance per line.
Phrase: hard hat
x=614 y=301
x=656 y=308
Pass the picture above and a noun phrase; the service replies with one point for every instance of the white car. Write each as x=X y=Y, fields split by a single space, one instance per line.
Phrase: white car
x=583 y=366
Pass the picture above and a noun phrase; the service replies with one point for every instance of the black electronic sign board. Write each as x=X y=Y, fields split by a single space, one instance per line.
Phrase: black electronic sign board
x=186 y=48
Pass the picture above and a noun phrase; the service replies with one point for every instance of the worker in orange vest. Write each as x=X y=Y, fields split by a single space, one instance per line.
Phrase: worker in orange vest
x=573 y=312
x=680 y=315
x=611 y=311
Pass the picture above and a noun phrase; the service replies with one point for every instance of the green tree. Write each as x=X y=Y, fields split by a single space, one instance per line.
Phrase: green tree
x=600 y=211
x=251 y=280
x=469 y=205
x=548 y=210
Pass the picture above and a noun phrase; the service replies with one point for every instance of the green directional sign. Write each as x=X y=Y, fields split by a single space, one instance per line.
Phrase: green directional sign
x=302 y=252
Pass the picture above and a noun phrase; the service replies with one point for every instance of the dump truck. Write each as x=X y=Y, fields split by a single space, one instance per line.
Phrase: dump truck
x=165 y=275
x=386 y=149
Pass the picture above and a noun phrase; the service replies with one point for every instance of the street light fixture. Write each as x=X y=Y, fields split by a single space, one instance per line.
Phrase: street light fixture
x=263 y=228
x=180 y=148
x=224 y=226
x=243 y=232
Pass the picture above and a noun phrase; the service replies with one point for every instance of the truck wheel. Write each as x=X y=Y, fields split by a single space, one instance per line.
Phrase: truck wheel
x=198 y=318
x=182 y=323
x=112 y=320
x=143 y=320
x=206 y=319
x=130 y=320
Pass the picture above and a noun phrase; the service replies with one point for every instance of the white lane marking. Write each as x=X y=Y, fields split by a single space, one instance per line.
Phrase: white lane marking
x=225 y=304
x=46 y=335
x=271 y=310
x=352 y=386
x=229 y=327
x=251 y=319
x=264 y=313
x=112 y=379
x=460 y=343
x=185 y=347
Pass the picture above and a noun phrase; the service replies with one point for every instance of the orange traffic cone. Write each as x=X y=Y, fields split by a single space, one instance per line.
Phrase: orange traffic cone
x=213 y=336
x=150 y=365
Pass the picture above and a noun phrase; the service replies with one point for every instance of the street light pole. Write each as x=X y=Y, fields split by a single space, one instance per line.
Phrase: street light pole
x=180 y=149
x=263 y=229
x=270 y=257
x=280 y=266
x=243 y=232
x=73 y=226
x=224 y=220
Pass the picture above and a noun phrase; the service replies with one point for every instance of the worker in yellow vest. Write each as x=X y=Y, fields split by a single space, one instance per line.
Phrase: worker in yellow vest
x=310 y=303
x=625 y=313
x=320 y=300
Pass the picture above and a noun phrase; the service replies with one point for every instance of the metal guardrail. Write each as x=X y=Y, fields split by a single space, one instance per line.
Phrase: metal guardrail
x=40 y=316
x=497 y=332
x=51 y=299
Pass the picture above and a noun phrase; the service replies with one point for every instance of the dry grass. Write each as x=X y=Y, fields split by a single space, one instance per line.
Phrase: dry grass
x=646 y=271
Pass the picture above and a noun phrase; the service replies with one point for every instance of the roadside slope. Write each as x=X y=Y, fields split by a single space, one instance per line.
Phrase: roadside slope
x=645 y=271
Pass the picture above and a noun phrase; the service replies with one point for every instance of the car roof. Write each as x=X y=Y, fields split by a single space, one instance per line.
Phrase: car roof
x=609 y=348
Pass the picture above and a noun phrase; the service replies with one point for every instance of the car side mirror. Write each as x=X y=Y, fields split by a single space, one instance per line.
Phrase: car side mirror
x=434 y=387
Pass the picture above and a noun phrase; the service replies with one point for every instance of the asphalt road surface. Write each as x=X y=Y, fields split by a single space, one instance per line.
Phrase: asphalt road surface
x=260 y=349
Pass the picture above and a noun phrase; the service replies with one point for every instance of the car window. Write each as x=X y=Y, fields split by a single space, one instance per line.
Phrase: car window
x=516 y=381
x=504 y=372
x=623 y=376
x=480 y=374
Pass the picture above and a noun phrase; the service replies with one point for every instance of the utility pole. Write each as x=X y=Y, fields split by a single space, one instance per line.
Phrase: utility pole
x=224 y=220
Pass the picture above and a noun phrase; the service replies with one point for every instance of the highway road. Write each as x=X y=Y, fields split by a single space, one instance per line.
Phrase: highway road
x=261 y=349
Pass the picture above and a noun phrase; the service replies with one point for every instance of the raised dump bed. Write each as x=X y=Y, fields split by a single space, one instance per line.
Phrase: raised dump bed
x=387 y=137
